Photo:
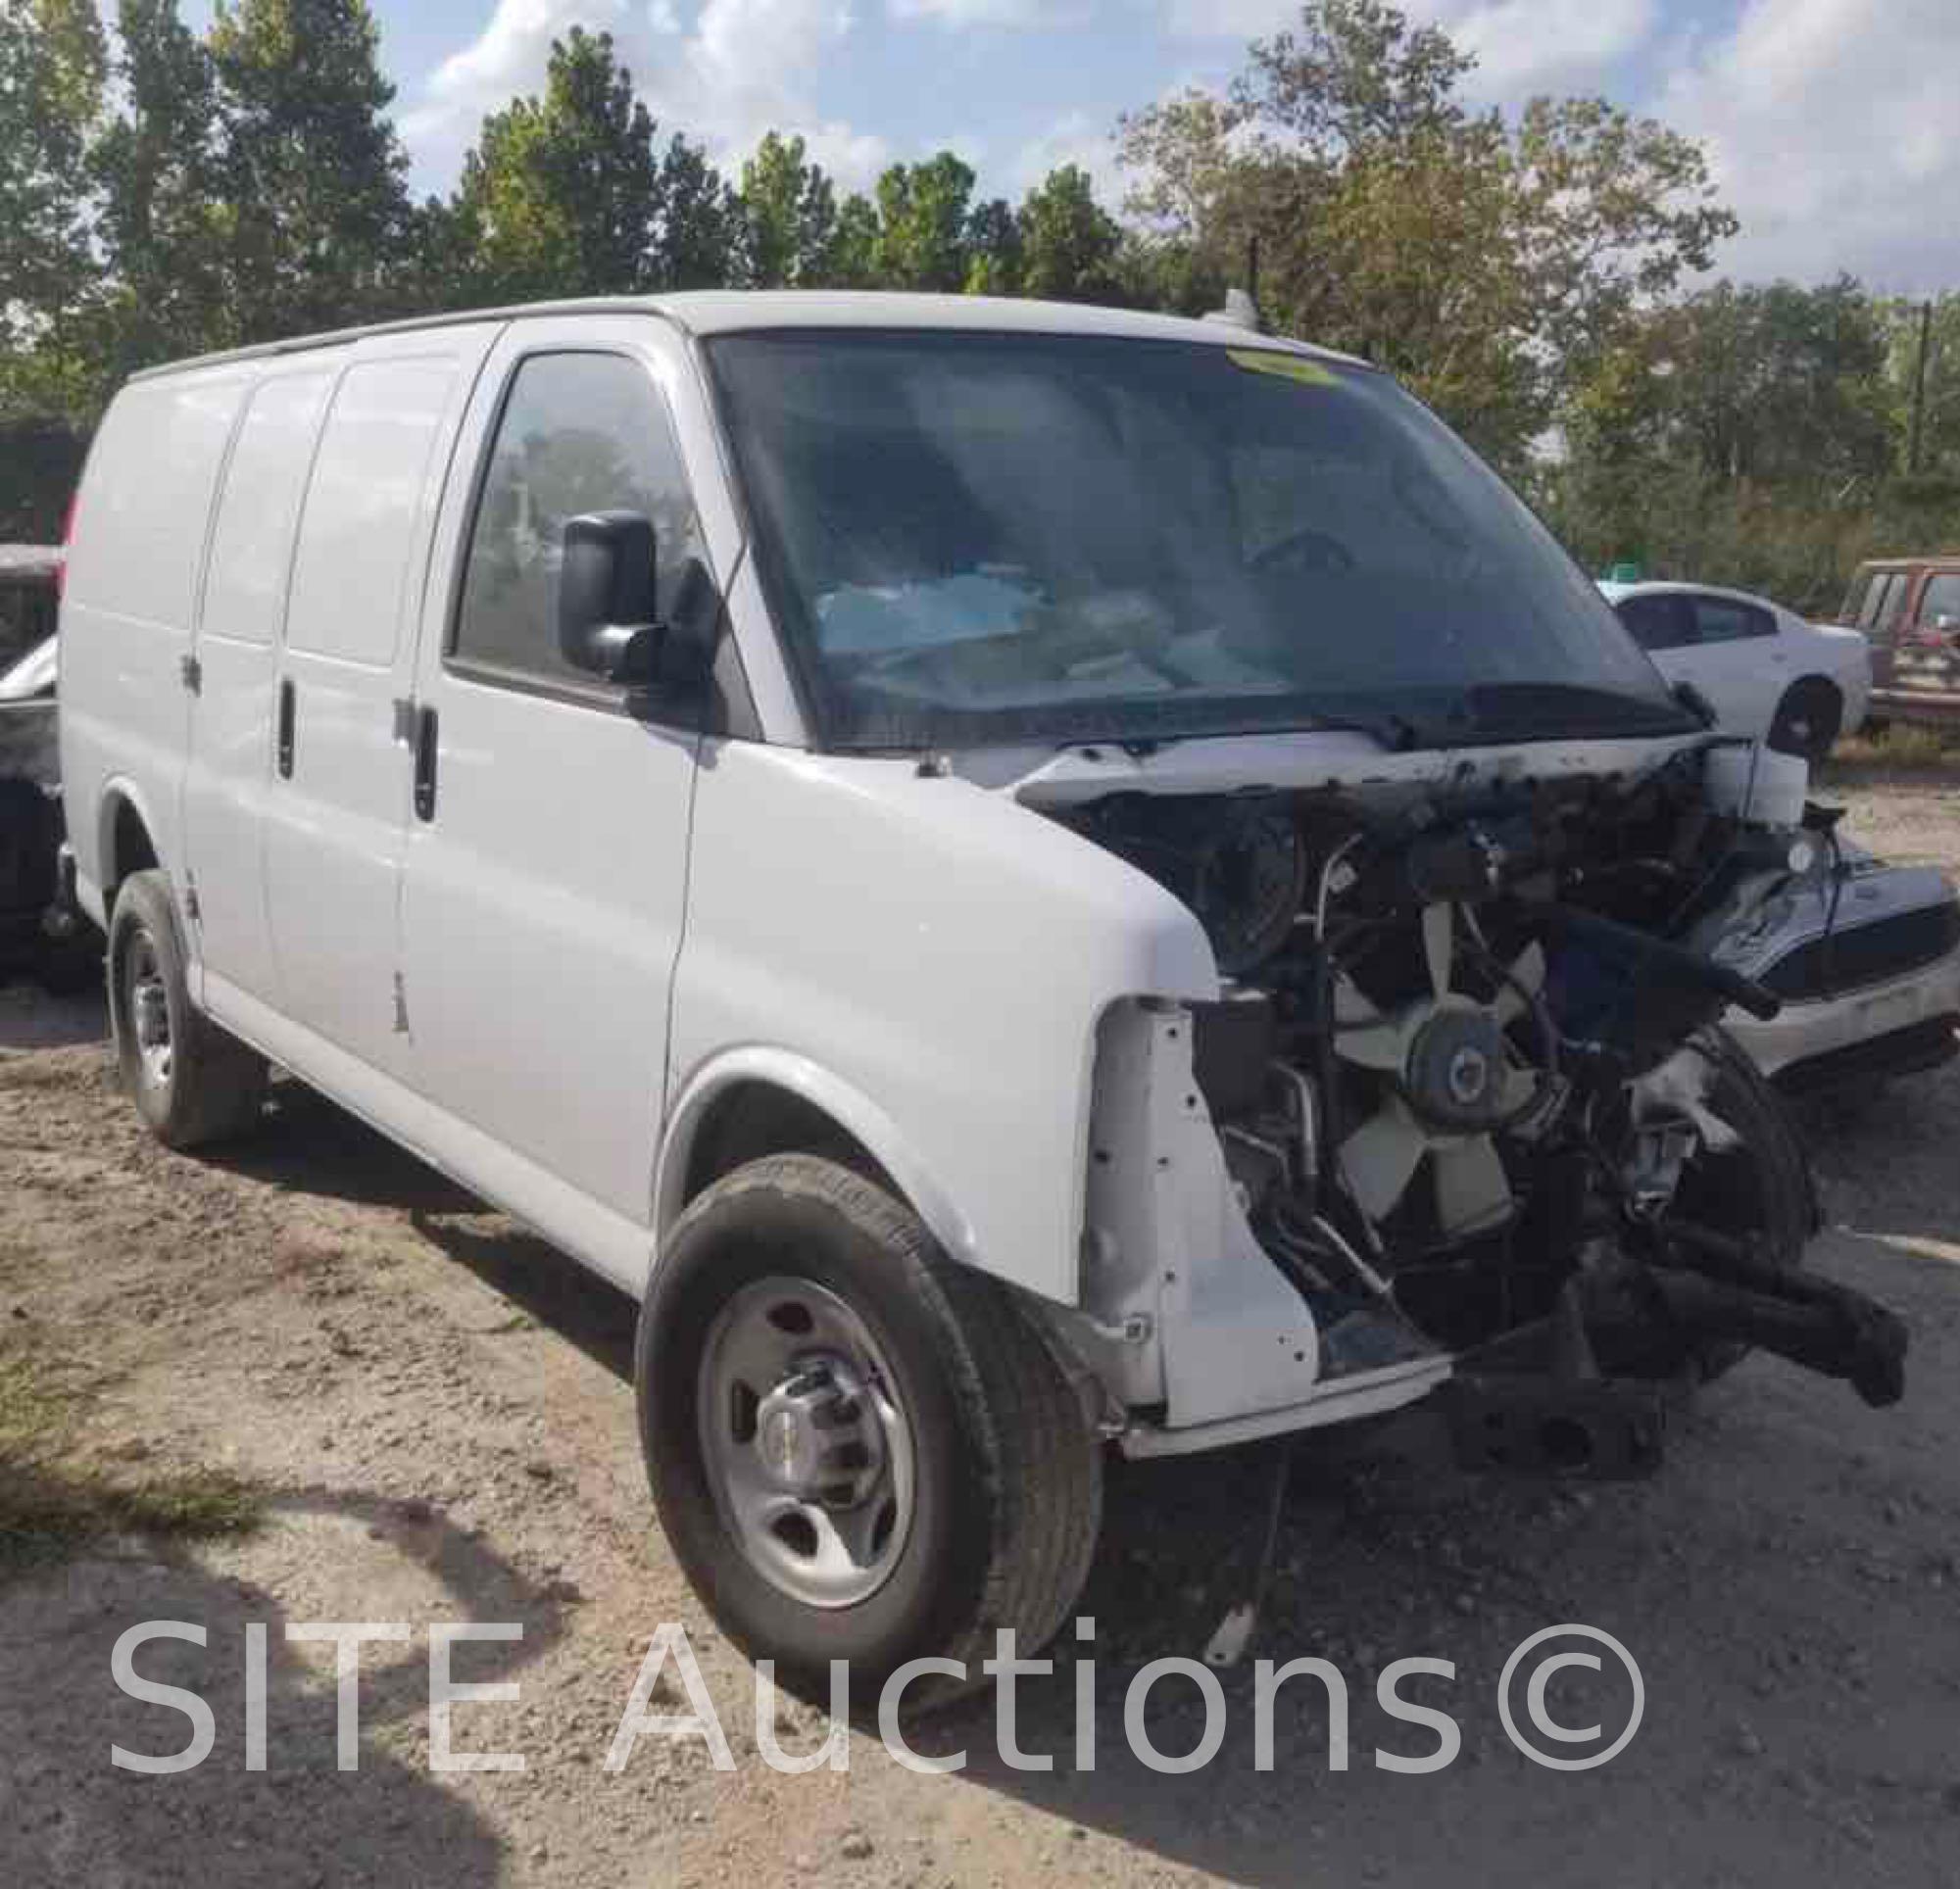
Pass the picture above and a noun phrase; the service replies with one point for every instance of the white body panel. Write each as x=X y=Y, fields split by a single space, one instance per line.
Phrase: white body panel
x=336 y=824
x=126 y=608
x=241 y=624
x=934 y=947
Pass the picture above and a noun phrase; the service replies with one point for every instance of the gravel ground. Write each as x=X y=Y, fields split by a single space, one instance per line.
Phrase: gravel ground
x=439 y=1406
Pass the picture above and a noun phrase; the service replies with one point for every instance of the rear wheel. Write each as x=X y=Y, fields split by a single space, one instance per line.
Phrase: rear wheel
x=1807 y=719
x=859 y=1449
x=192 y=1082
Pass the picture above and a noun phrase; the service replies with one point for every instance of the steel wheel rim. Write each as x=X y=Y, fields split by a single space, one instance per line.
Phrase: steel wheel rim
x=146 y=999
x=806 y=1444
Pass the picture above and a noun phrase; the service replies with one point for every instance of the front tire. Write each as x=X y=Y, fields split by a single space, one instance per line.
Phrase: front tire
x=192 y=1082
x=860 y=1450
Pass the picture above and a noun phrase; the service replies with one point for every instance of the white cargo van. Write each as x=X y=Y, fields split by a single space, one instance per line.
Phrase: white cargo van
x=1028 y=879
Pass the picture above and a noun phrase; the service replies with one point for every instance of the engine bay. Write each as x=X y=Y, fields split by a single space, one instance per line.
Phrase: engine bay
x=1467 y=1074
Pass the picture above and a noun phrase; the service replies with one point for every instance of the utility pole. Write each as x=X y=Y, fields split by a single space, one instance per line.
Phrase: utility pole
x=1917 y=432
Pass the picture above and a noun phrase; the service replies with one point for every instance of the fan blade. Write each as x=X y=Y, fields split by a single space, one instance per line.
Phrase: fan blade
x=1438 y=933
x=1374 y=1045
x=1350 y=1005
x=1520 y=1084
x=1471 y=1190
x=1380 y=1158
x=1527 y=980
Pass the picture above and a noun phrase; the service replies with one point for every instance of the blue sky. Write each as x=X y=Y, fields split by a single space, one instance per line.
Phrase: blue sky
x=1835 y=124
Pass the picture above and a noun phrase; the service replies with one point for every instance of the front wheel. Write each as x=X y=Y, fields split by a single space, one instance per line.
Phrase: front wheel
x=860 y=1450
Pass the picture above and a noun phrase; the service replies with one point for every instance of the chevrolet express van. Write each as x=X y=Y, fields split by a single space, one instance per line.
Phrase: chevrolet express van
x=1028 y=880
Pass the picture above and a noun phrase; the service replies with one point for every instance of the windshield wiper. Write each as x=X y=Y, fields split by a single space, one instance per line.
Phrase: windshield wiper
x=1573 y=708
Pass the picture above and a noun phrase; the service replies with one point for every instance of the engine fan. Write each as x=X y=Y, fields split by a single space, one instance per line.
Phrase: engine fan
x=1452 y=1081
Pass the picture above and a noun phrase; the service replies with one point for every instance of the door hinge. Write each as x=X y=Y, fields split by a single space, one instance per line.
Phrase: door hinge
x=192 y=909
x=401 y=1007
x=192 y=672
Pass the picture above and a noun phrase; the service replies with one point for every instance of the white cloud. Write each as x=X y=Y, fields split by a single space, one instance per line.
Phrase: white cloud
x=1076 y=139
x=747 y=67
x=1230 y=19
x=1834 y=126
x=1521 y=45
x=976 y=12
x=1528 y=45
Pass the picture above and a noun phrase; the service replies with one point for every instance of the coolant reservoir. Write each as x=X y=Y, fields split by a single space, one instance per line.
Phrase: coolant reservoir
x=1757 y=784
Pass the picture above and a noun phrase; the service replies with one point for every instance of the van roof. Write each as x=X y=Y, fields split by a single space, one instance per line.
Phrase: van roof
x=708 y=311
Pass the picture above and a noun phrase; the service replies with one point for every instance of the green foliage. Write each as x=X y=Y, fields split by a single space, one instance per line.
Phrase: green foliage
x=561 y=195
x=994 y=251
x=1478 y=258
x=922 y=224
x=53 y=69
x=1068 y=242
x=700 y=220
x=788 y=217
x=314 y=175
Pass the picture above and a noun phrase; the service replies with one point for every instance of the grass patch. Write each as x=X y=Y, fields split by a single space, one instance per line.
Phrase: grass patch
x=1902 y=747
x=58 y=1493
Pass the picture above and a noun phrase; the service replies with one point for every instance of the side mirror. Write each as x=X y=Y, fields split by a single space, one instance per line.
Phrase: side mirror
x=605 y=595
x=607 y=620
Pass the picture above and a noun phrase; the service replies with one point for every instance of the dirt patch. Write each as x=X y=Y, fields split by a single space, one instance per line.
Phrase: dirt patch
x=436 y=1407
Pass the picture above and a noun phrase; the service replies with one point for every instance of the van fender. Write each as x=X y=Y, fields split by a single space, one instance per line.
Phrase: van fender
x=849 y=1107
x=118 y=790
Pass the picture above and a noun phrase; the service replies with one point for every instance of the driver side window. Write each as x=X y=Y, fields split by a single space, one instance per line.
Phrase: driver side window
x=579 y=433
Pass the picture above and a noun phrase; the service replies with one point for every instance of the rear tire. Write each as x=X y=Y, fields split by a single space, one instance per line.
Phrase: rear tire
x=1807 y=719
x=798 y=1304
x=192 y=1082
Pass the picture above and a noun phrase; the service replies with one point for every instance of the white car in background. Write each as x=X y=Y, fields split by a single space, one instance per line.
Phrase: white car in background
x=1767 y=672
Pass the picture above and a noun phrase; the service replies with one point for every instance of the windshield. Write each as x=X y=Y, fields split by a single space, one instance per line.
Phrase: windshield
x=981 y=538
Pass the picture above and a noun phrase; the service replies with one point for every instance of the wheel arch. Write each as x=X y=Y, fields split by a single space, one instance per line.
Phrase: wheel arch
x=759 y=1100
x=126 y=838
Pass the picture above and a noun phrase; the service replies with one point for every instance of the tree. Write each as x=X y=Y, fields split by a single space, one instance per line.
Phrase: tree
x=1070 y=242
x=922 y=224
x=164 y=225
x=789 y=217
x=699 y=221
x=53 y=69
x=314 y=174
x=1488 y=262
x=994 y=249
x=562 y=193
x=853 y=245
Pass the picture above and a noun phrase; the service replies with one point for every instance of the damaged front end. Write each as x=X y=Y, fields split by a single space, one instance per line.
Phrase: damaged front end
x=1463 y=1120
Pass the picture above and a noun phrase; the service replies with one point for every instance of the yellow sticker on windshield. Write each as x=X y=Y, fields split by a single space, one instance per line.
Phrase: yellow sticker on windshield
x=1288 y=366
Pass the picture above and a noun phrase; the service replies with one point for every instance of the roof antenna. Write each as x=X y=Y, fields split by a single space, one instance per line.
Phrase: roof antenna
x=1239 y=311
x=1242 y=306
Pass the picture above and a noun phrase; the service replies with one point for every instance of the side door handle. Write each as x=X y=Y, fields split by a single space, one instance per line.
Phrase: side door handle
x=287 y=706
x=426 y=757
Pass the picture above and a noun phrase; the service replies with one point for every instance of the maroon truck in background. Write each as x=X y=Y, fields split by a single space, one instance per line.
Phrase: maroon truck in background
x=1909 y=607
